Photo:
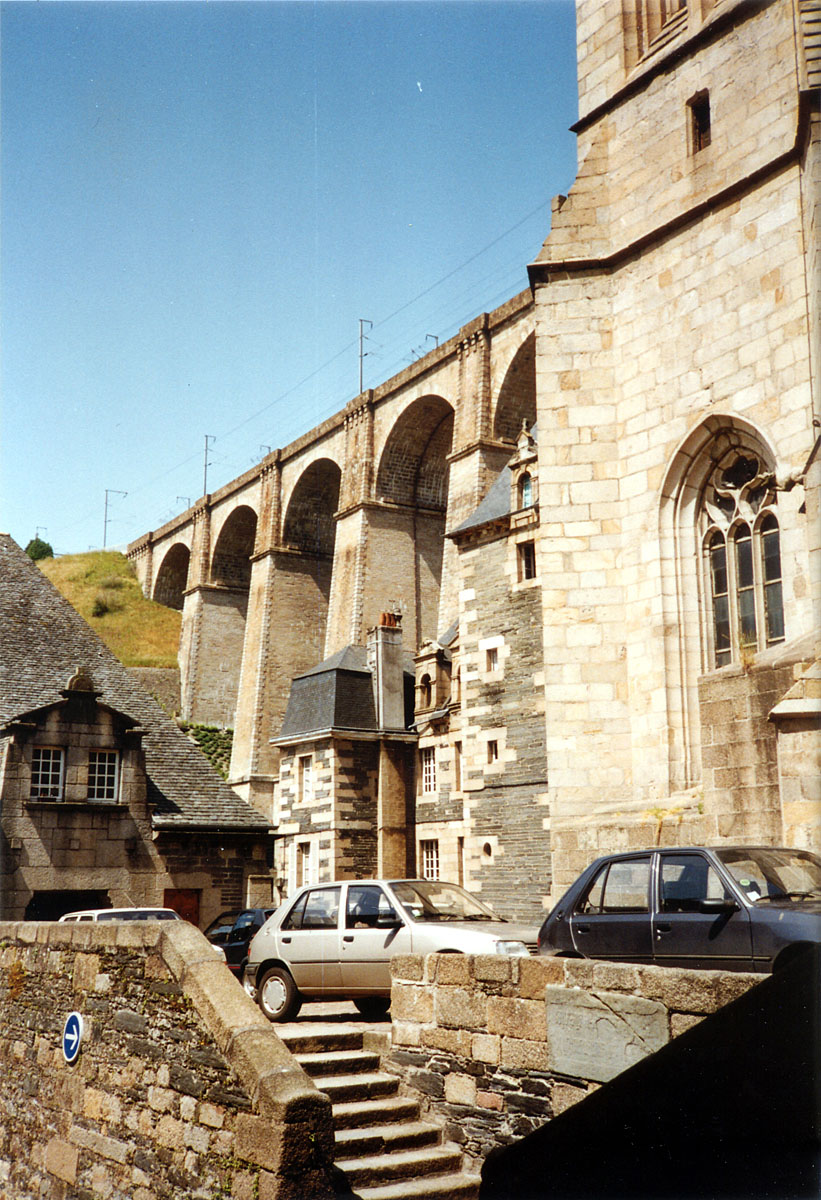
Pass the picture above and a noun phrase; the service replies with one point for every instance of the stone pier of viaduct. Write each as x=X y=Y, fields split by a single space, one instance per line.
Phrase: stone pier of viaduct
x=296 y=558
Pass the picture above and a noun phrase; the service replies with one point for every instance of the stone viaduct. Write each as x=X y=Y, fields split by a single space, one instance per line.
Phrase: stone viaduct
x=296 y=558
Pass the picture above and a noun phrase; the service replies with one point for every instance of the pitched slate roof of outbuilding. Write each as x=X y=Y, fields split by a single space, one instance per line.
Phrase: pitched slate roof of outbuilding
x=43 y=640
x=335 y=694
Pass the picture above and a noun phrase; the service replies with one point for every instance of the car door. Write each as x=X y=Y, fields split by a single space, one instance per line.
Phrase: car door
x=697 y=922
x=308 y=939
x=612 y=918
x=373 y=932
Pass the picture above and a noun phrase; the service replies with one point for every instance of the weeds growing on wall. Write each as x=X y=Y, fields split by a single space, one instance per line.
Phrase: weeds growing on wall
x=214 y=742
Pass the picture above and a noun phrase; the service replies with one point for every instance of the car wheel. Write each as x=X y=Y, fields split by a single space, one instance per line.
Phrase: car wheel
x=372 y=1007
x=278 y=995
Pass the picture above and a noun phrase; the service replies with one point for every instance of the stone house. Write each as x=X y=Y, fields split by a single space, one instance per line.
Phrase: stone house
x=632 y=639
x=103 y=800
x=344 y=802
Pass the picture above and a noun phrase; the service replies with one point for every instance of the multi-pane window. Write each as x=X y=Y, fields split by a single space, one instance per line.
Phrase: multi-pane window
x=428 y=755
x=102 y=775
x=429 y=855
x=303 y=863
x=47 y=773
x=743 y=554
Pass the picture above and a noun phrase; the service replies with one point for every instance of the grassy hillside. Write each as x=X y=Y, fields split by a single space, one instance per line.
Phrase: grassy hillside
x=103 y=587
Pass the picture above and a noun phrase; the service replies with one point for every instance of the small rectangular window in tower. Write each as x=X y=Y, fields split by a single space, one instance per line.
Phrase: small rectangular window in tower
x=527 y=560
x=306 y=777
x=457 y=766
x=493 y=752
x=699 y=121
x=492 y=659
x=428 y=755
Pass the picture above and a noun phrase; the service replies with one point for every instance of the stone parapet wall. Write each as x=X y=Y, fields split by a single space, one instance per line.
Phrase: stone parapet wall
x=181 y=1087
x=497 y=1045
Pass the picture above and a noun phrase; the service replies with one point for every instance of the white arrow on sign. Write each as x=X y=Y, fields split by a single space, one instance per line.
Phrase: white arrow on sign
x=72 y=1036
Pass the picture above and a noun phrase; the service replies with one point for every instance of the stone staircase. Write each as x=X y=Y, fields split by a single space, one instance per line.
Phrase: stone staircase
x=386 y=1151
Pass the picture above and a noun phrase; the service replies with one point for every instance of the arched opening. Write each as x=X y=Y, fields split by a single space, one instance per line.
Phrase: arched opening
x=720 y=537
x=172 y=577
x=517 y=395
x=309 y=521
x=412 y=482
x=231 y=560
x=413 y=468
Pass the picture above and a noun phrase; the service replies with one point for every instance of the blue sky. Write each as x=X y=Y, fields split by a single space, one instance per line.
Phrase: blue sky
x=201 y=200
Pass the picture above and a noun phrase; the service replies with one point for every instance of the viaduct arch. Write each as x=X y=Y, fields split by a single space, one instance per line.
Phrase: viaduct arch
x=296 y=558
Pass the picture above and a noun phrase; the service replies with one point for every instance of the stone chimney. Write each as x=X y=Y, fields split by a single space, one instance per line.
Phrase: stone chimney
x=385 y=659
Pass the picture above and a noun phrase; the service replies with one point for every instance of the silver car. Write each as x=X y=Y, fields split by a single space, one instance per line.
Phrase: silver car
x=336 y=940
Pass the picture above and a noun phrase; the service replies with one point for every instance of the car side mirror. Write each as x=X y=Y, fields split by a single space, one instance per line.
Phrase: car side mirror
x=389 y=920
x=718 y=904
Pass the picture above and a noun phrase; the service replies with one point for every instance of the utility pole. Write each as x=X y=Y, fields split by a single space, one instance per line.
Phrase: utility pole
x=362 y=350
x=209 y=437
x=109 y=492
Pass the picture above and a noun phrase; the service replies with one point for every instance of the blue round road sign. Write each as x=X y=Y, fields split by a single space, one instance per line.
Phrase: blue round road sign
x=72 y=1036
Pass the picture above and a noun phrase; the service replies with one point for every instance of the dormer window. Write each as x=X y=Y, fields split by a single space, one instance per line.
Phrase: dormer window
x=103 y=775
x=47 y=771
x=425 y=692
x=525 y=491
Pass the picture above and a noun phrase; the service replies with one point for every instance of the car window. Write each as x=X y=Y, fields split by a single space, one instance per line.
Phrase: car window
x=764 y=873
x=619 y=887
x=222 y=926
x=246 y=919
x=366 y=906
x=317 y=909
x=591 y=900
x=686 y=880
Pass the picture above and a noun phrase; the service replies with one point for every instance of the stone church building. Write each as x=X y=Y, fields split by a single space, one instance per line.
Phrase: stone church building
x=593 y=514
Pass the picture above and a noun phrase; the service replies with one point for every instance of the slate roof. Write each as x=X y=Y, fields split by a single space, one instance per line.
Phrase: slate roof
x=496 y=503
x=335 y=694
x=43 y=640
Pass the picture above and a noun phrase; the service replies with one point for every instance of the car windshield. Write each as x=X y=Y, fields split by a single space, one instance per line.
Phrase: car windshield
x=430 y=900
x=777 y=874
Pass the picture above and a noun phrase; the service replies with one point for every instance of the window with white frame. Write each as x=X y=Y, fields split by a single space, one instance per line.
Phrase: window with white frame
x=428 y=757
x=429 y=858
x=47 y=771
x=742 y=551
x=103 y=774
x=305 y=773
x=303 y=864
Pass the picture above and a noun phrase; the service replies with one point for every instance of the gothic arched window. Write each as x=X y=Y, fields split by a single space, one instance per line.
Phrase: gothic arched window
x=743 y=559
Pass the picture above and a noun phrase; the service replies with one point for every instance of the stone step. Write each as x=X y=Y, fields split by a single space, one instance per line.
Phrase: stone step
x=338 y=1062
x=384 y=1139
x=374 y=1169
x=354 y=1114
x=429 y=1187
x=356 y=1087
x=315 y=1038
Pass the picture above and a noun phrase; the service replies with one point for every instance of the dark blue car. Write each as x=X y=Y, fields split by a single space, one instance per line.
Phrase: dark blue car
x=728 y=908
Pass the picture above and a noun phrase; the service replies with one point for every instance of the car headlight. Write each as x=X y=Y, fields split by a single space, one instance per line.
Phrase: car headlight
x=511 y=948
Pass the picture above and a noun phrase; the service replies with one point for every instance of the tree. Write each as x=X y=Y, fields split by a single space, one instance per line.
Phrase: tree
x=37 y=549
